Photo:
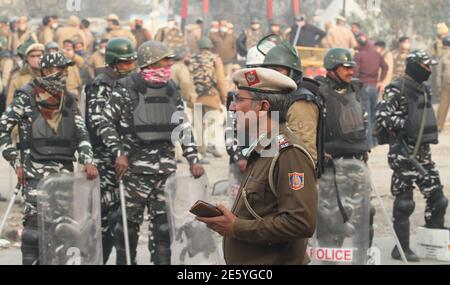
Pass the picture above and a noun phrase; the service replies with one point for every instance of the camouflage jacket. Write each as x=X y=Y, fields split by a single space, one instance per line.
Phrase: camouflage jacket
x=96 y=96
x=203 y=71
x=20 y=113
x=172 y=38
x=154 y=158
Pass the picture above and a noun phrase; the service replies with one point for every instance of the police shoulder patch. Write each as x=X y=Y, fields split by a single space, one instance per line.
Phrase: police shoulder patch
x=296 y=181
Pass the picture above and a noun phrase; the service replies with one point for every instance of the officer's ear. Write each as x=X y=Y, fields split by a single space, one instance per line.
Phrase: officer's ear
x=265 y=105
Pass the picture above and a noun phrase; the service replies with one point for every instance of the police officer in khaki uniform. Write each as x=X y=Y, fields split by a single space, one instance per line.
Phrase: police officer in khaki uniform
x=171 y=36
x=71 y=32
x=30 y=70
x=116 y=31
x=275 y=212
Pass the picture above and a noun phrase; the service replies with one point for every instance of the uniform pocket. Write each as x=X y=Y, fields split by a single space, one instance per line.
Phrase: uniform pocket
x=256 y=193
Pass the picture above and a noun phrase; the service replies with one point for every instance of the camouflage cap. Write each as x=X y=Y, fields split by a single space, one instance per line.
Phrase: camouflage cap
x=50 y=60
x=151 y=52
x=422 y=57
x=263 y=80
x=4 y=19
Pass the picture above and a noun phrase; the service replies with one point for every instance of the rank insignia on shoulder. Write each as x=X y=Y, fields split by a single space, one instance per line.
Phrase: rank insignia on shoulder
x=296 y=181
x=283 y=142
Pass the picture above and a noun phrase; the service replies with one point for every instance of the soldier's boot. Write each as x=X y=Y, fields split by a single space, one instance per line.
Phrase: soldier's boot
x=403 y=208
x=159 y=242
x=30 y=242
x=435 y=211
x=213 y=150
x=108 y=225
x=119 y=241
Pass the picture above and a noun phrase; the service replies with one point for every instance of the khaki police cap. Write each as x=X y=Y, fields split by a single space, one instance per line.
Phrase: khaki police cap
x=263 y=80
x=112 y=17
x=442 y=28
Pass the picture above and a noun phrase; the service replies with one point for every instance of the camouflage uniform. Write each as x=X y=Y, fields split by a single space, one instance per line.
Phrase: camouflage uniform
x=392 y=114
x=20 y=113
x=96 y=97
x=405 y=103
x=172 y=38
x=149 y=167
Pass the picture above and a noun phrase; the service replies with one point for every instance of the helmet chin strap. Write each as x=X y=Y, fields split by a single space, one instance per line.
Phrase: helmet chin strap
x=335 y=76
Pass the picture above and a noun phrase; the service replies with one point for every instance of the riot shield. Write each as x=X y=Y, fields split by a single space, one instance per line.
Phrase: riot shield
x=192 y=243
x=342 y=235
x=69 y=220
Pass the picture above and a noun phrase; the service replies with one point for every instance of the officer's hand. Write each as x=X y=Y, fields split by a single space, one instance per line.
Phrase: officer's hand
x=91 y=171
x=328 y=158
x=242 y=165
x=21 y=176
x=121 y=166
x=223 y=225
x=197 y=170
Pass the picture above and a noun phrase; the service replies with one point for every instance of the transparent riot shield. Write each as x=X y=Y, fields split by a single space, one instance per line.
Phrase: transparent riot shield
x=342 y=235
x=192 y=242
x=69 y=220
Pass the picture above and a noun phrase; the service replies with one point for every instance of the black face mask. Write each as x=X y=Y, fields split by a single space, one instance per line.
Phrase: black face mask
x=417 y=72
x=138 y=27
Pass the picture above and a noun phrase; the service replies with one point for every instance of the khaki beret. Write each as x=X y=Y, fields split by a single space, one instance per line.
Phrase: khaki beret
x=442 y=28
x=112 y=17
x=263 y=80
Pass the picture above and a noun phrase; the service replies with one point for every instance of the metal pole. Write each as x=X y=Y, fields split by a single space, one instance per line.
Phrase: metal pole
x=344 y=8
x=124 y=219
x=8 y=210
x=389 y=222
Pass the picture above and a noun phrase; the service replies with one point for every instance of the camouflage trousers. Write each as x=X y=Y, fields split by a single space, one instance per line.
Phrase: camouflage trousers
x=110 y=200
x=141 y=192
x=405 y=176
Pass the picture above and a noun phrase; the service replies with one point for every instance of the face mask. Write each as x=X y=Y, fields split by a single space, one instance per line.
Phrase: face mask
x=417 y=72
x=102 y=50
x=53 y=83
x=255 y=27
x=406 y=46
x=224 y=30
x=171 y=25
x=55 y=26
x=157 y=75
x=214 y=30
x=138 y=27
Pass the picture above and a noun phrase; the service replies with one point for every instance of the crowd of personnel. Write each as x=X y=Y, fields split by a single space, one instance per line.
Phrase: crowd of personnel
x=67 y=90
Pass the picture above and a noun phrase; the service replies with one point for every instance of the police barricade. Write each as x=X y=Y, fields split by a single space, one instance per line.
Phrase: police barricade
x=69 y=220
x=342 y=235
x=192 y=243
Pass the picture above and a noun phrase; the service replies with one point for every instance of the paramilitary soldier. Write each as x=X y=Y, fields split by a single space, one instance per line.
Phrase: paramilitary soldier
x=306 y=116
x=276 y=209
x=51 y=131
x=407 y=120
x=137 y=128
x=346 y=121
x=120 y=58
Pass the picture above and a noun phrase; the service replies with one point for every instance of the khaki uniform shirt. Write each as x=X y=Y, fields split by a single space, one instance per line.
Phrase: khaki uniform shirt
x=285 y=220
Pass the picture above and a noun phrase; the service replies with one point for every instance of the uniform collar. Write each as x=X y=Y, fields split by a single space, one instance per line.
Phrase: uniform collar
x=263 y=143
